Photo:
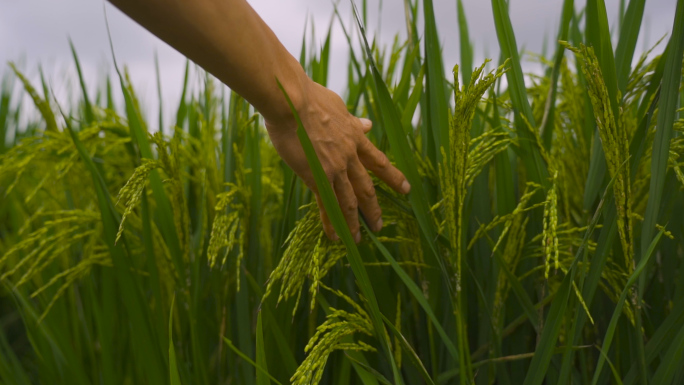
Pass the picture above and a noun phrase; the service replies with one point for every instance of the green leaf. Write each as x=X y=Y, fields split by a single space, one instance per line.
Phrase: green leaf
x=416 y=292
x=89 y=114
x=465 y=44
x=332 y=208
x=554 y=320
x=403 y=155
x=667 y=110
x=437 y=103
x=548 y=120
x=411 y=353
x=144 y=339
x=173 y=366
x=261 y=354
x=671 y=362
x=248 y=360
x=518 y=92
x=610 y=332
x=627 y=41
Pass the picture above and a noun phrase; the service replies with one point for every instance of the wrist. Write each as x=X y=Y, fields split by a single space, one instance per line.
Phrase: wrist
x=296 y=84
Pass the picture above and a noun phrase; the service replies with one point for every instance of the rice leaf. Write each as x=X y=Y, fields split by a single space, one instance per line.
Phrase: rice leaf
x=627 y=40
x=666 y=115
x=173 y=366
x=671 y=362
x=416 y=292
x=402 y=153
x=610 y=332
x=465 y=45
x=249 y=360
x=548 y=119
x=542 y=356
x=534 y=163
x=144 y=336
x=89 y=114
x=334 y=212
x=411 y=353
x=261 y=379
x=437 y=107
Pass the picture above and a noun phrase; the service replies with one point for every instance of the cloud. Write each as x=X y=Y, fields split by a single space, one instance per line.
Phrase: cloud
x=37 y=31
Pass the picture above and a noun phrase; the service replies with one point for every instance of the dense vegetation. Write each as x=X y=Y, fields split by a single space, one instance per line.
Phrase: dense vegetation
x=542 y=242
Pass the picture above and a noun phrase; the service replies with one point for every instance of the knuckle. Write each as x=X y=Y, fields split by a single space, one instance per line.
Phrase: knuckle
x=331 y=174
x=333 y=170
x=382 y=161
x=368 y=191
x=352 y=204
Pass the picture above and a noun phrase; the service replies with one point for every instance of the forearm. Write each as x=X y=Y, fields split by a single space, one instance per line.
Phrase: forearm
x=228 y=39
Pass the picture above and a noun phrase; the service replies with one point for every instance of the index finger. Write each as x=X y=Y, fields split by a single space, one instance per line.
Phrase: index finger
x=377 y=162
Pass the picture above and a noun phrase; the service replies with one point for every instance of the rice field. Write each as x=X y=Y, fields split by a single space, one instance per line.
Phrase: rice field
x=542 y=241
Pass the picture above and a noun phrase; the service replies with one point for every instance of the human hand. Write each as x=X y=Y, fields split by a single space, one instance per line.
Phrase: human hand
x=344 y=152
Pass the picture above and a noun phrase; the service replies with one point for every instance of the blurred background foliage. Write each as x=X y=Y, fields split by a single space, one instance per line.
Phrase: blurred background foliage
x=541 y=242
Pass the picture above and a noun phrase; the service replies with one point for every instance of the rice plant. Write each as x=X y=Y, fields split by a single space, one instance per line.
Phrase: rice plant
x=542 y=241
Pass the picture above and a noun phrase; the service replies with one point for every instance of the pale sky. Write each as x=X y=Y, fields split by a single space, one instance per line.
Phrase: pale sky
x=36 y=32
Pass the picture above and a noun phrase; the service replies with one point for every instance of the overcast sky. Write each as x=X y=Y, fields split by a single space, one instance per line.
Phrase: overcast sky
x=36 y=31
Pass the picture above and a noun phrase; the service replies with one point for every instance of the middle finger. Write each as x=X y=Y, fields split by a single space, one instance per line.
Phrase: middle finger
x=349 y=204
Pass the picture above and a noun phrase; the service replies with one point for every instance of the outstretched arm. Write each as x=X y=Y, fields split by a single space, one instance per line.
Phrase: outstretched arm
x=228 y=39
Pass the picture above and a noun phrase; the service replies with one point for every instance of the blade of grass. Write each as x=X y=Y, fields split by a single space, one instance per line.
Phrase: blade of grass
x=334 y=212
x=261 y=354
x=542 y=356
x=182 y=111
x=415 y=291
x=249 y=360
x=664 y=126
x=159 y=93
x=671 y=362
x=548 y=119
x=367 y=370
x=534 y=163
x=165 y=219
x=173 y=366
x=610 y=332
x=598 y=36
x=627 y=40
x=661 y=339
x=11 y=370
x=437 y=103
x=411 y=353
x=143 y=335
x=402 y=153
x=280 y=339
x=616 y=375
x=89 y=114
x=465 y=44
x=607 y=237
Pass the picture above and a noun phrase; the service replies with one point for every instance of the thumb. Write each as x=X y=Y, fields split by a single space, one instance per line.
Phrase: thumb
x=366 y=124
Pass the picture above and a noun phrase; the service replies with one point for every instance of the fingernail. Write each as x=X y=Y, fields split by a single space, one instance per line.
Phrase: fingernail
x=357 y=237
x=366 y=122
x=405 y=187
x=378 y=226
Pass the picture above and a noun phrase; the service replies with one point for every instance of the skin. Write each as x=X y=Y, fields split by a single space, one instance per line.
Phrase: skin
x=229 y=40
